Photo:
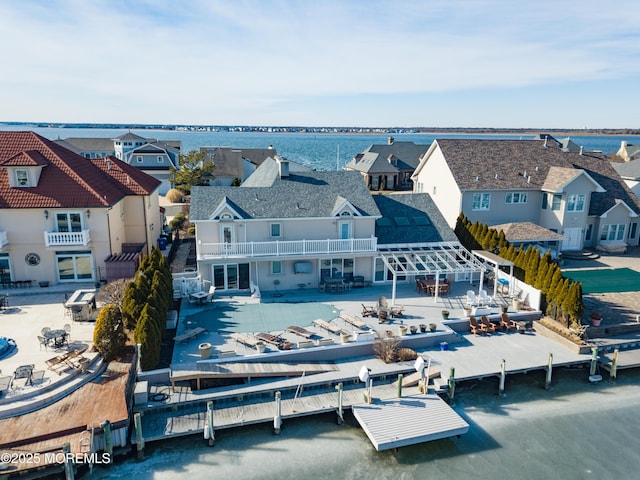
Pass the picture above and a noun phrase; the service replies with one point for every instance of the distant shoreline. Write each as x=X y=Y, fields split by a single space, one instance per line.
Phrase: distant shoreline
x=334 y=130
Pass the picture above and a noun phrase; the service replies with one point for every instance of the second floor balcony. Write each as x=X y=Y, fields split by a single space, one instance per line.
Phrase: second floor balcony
x=57 y=239
x=286 y=248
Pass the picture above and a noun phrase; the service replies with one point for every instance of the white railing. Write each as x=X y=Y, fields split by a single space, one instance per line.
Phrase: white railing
x=3 y=238
x=54 y=239
x=287 y=248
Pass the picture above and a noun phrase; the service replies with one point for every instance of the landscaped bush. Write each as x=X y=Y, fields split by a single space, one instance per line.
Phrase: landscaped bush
x=406 y=355
x=109 y=336
x=175 y=196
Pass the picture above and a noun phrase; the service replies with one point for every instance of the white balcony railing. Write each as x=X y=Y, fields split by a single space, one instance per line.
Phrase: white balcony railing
x=3 y=238
x=55 y=239
x=286 y=248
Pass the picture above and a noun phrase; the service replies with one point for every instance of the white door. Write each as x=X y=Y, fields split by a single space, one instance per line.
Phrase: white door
x=573 y=240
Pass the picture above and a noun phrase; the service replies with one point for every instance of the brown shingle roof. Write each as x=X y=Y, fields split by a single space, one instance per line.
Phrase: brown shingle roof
x=526 y=232
x=525 y=164
x=67 y=180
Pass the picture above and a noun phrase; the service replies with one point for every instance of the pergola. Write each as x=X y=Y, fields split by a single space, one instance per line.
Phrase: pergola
x=497 y=261
x=436 y=259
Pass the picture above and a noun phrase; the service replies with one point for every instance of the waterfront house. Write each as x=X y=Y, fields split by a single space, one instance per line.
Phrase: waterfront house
x=147 y=154
x=388 y=166
x=576 y=194
x=62 y=215
x=286 y=230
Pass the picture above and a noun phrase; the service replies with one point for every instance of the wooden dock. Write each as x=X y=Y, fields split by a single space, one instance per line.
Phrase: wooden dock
x=400 y=422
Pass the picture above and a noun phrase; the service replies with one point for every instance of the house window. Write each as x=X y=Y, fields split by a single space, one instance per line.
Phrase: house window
x=276 y=230
x=516 y=197
x=22 y=178
x=434 y=190
x=481 y=201
x=160 y=159
x=633 y=230
x=74 y=266
x=587 y=235
x=68 y=222
x=139 y=159
x=276 y=268
x=575 y=203
x=346 y=213
x=612 y=232
x=555 y=202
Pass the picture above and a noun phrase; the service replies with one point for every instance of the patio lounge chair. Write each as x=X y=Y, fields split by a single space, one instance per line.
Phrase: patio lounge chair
x=327 y=326
x=506 y=323
x=471 y=298
x=269 y=338
x=189 y=334
x=303 y=332
x=368 y=311
x=359 y=324
x=397 y=311
x=491 y=327
x=476 y=327
x=245 y=339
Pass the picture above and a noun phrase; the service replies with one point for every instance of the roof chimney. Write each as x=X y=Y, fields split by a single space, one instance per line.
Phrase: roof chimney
x=108 y=163
x=545 y=142
x=581 y=149
x=283 y=167
x=390 y=140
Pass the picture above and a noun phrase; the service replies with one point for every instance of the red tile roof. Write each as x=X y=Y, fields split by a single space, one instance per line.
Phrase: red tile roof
x=67 y=180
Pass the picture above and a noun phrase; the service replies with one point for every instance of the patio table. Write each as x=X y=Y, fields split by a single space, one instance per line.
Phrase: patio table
x=58 y=337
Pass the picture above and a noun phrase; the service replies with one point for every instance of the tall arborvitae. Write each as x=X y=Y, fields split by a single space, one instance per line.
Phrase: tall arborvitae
x=132 y=304
x=109 y=337
x=543 y=268
x=572 y=303
x=147 y=335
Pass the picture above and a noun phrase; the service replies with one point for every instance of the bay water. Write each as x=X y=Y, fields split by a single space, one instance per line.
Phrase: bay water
x=321 y=151
x=575 y=430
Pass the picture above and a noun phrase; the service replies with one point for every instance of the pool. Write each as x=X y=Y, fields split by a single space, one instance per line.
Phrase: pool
x=262 y=317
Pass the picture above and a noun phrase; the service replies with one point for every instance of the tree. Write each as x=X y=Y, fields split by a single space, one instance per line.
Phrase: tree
x=113 y=292
x=109 y=336
x=149 y=338
x=193 y=171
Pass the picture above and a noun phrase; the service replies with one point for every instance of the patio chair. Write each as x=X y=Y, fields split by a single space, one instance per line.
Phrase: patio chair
x=303 y=332
x=45 y=330
x=37 y=376
x=476 y=327
x=484 y=299
x=421 y=287
x=368 y=311
x=507 y=323
x=23 y=371
x=491 y=327
x=471 y=298
x=67 y=328
x=43 y=342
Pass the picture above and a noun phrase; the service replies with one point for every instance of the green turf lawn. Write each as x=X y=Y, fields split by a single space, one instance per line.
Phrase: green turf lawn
x=606 y=280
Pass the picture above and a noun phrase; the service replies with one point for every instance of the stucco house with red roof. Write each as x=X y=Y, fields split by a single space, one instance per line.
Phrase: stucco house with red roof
x=62 y=215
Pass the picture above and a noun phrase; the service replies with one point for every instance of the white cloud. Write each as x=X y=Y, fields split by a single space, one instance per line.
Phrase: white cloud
x=250 y=59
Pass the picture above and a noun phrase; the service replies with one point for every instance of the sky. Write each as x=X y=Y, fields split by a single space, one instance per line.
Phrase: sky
x=360 y=63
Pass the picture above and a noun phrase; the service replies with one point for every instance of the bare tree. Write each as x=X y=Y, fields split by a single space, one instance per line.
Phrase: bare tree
x=113 y=292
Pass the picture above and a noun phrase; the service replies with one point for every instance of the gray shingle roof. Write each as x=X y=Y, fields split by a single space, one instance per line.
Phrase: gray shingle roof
x=526 y=232
x=300 y=195
x=375 y=159
x=525 y=165
x=410 y=218
x=629 y=170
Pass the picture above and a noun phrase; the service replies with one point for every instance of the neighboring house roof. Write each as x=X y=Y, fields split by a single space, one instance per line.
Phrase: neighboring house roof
x=525 y=165
x=376 y=158
x=566 y=144
x=410 y=218
x=299 y=195
x=628 y=170
x=87 y=144
x=67 y=180
x=628 y=152
x=527 y=232
x=130 y=136
x=229 y=161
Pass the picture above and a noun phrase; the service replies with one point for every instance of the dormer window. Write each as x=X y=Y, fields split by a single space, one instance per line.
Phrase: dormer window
x=22 y=177
x=226 y=217
x=346 y=213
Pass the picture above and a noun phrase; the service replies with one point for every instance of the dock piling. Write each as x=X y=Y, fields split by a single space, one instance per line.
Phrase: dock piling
x=340 y=412
x=68 y=462
x=547 y=382
x=452 y=383
x=277 y=420
x=594 y=365
x=209 y=431
x=137 y=423
x=400 y=385
x=503 y=375
x=614 y=366
x=108 y=444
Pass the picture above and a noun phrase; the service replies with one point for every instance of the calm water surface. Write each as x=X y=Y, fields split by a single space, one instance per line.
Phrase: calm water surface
x=320 y=151
x=577 y=430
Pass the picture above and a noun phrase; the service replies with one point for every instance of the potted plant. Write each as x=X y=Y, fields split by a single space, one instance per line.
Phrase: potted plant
x=596 y=318
x=467 y=311
x=403 y=330
x=423 y=327
x=413 y=329
x=261 y=347
x=205 y=349
x=445 y=314
x=432 y=327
